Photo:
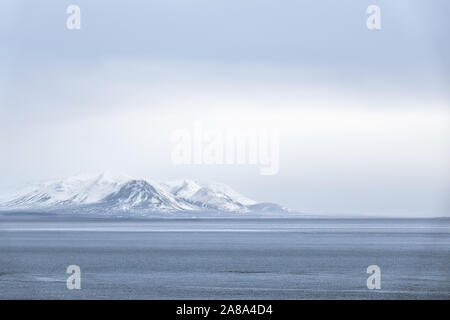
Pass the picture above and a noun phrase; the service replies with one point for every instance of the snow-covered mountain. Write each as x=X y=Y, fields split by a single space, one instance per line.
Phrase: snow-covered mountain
x=214 y=196
x=112 y=194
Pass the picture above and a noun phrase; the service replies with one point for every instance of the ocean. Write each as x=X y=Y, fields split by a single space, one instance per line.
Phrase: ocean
x=302 y=258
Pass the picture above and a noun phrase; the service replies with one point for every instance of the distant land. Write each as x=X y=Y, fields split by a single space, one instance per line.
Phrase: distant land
x=109 y=194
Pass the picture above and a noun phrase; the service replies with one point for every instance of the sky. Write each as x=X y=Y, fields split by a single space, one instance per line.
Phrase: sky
x=363 y=115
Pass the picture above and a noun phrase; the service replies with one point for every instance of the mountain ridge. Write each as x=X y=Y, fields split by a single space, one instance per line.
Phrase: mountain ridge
x=108 y=194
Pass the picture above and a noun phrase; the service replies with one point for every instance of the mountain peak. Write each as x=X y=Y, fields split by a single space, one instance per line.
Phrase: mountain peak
x=109 y=192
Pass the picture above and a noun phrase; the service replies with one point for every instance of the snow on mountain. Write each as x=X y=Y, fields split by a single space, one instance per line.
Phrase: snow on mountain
x=140 y=195
x=120 y=193
x=207 y=198
x=214 y=196
x=182 y=188
x=81 y=189
x=221 y=188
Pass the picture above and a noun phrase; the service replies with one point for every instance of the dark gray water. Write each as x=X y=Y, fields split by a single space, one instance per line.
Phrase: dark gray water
x=224 y=259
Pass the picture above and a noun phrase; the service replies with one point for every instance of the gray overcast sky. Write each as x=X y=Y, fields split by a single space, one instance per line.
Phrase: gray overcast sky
x=364 y=115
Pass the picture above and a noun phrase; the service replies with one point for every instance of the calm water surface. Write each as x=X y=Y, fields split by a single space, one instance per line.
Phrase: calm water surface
x=224 y=258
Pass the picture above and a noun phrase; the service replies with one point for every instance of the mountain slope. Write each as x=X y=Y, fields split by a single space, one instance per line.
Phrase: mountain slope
x=213 y=196
x=77 y=190
x=112 y=194
x=140 y=195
